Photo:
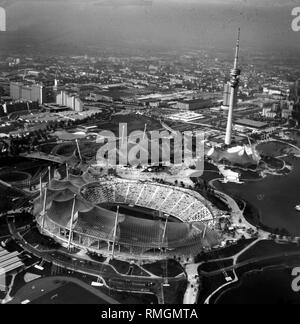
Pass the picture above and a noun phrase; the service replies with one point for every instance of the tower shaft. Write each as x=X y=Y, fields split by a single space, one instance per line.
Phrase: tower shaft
x=234 y=84
x=228 y=138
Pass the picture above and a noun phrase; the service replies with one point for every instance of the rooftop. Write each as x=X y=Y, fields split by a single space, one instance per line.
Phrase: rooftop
x=251 y=123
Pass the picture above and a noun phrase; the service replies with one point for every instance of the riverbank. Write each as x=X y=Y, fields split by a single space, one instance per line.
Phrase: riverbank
x=255 y=258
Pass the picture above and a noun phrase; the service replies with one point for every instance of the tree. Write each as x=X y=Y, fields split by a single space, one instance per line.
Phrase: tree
x=4 y=202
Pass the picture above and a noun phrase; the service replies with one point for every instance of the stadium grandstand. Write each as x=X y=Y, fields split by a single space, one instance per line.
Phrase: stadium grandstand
x=122 y=218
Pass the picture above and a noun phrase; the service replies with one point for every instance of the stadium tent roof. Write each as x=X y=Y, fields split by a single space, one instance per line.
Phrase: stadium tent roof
x=238 y=157
x=59 y=191
x=141 y=232
x=58 y=195
x=61 y=196
x=60 y=212
x=99 y=223
x=176 y=232
x=63 y=185
x=77 y=181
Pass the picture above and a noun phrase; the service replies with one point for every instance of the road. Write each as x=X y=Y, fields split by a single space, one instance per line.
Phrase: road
x=192 y=291
x=40 y=287
x=108 y=274
x=237 y=265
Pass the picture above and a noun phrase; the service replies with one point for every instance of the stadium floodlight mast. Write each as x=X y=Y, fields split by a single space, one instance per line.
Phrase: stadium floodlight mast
x=115 y=231
x=44 y=208
x=67 y=171
x=72 y=221
x=164 y=233
x=166 y=280
x=2 y=280
x=78 y=149
x=49 y=174
x=41 y=188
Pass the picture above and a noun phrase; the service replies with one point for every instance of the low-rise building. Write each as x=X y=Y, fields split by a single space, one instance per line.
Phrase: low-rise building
x=244 y=125
x=193 y=104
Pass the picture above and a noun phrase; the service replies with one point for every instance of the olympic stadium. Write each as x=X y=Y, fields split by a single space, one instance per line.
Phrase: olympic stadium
x=125 y=218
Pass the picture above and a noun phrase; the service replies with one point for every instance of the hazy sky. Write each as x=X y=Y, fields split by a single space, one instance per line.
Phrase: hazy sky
x=168 y=23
